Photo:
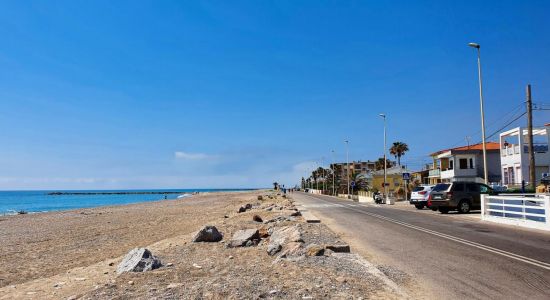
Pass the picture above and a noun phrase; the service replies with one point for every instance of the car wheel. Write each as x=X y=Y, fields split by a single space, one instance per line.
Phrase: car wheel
x=433 y=208
x=419 y=206
x=443 y=210
x=464 y=207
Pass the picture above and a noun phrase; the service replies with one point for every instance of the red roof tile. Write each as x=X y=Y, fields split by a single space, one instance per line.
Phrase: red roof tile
x=489 y=146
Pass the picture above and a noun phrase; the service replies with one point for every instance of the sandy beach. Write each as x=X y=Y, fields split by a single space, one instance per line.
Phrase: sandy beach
x=74 y=254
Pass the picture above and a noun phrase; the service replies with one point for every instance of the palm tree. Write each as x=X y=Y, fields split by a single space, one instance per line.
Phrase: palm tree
x=379 y=164
x=315 y=176
x=398 y=149
x=360 y=180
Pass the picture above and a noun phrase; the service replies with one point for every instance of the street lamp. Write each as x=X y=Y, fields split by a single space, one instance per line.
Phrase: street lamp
x=347 y=164
x=485 y=171
x=385 y=162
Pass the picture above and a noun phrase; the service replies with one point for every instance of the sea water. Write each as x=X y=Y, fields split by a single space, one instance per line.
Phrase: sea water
x=12 y=202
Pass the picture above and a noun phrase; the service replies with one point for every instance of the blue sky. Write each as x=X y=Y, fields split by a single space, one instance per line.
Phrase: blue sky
x=198 y=94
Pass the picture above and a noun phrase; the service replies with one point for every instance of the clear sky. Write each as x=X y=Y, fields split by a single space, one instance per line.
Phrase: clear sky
x=199 y=94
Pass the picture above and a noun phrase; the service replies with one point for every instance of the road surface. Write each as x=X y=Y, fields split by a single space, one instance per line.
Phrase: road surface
x=450 y=256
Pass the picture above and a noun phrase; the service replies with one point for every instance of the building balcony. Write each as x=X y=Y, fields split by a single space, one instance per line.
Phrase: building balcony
x=434 y=173
x=448 y=174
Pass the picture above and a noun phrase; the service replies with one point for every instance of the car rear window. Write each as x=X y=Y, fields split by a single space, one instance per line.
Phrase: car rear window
x=441 y=187
x=418 y=189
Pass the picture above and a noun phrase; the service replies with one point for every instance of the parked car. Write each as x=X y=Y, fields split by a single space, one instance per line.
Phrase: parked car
x=459 y=195
x=419 y=196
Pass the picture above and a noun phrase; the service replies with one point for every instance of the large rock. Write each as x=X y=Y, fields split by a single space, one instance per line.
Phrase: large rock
x=314 y=250
x=241 y=237
x=292 y=250
x=272 y=249
x=286 y=234
x=265 y=231
x=257 y=218
x=208 y=234
x=244 y=208
x=339 y=248
x=282 y=237
x=138 y=260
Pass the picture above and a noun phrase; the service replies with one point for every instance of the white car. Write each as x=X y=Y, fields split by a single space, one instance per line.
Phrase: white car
x=419 y=196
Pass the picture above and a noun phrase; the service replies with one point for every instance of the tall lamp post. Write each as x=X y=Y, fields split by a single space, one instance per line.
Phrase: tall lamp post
x=485 y=172
x=385 y=162
x=347 y=164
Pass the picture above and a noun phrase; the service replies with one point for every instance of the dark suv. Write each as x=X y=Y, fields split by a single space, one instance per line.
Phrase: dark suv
x=459 y=195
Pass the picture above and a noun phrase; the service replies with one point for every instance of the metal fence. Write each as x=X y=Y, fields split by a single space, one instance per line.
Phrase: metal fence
x=531 y=211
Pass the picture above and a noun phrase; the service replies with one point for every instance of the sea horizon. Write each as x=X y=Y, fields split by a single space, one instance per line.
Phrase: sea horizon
x=36 y=201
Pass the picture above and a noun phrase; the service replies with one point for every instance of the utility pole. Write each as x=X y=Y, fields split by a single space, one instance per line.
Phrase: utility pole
x=532 y=175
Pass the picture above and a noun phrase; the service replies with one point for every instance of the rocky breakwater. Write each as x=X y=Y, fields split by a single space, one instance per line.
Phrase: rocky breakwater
x=262 y=249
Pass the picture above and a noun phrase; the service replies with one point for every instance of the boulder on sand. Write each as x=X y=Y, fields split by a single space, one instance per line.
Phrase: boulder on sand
x=284 y=236
x=292 y=250
x=244 y=208
x=241 y=237
x=265 y=231
x=272 y=249
x=339 y=248
x=138 y=260
x=208 y=234
x=314 y=250
x=257 y=218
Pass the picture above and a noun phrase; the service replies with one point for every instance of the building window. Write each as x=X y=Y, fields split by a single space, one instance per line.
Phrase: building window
x=505 y=177
x=451 y=162
x=471 y=163
x=463 y=163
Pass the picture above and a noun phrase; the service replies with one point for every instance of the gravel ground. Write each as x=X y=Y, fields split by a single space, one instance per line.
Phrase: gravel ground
x=214 y=271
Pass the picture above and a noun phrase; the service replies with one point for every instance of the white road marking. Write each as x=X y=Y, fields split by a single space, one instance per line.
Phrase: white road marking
x=453 y=238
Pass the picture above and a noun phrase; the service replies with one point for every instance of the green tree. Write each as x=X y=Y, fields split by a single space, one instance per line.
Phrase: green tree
x=361 y=183
x=379 y=164
x=398 y=149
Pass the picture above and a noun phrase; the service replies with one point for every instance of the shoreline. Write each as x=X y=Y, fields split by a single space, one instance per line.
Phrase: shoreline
x=74 y=254
x=187 y=194
x=33 y=243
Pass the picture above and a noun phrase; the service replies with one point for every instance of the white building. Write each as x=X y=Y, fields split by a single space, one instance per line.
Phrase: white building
x=515 y=156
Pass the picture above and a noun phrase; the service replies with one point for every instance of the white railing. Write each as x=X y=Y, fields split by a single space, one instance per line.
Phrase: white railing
x=314 y=191
x=364 y=196
x=531 y=211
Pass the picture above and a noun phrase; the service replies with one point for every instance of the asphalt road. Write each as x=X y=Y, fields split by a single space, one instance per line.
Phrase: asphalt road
x=450 y=256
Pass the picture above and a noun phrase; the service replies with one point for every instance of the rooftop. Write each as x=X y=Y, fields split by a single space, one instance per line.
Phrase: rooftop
x=479 y=147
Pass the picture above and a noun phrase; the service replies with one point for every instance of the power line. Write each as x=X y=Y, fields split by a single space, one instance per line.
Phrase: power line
x=500 y=129
x=512 y=112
